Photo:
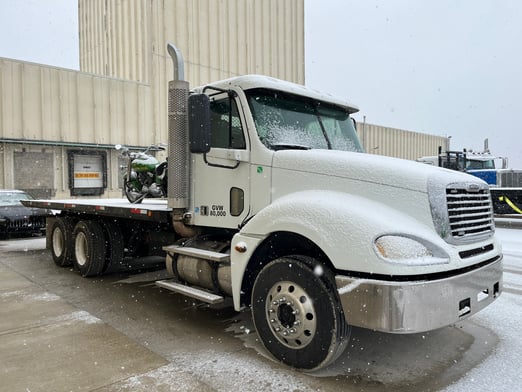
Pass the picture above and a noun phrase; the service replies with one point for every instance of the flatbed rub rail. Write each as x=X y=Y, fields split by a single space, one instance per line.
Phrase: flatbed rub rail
x=156 y=211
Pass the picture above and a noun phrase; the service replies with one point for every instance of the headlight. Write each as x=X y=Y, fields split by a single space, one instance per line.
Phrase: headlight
x=409 y=251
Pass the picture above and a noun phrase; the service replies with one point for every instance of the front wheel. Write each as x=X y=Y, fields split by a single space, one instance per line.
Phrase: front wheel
x=132 y=193
x=297 y=313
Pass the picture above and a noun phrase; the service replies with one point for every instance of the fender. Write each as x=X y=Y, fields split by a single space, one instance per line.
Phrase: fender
x=343 y=225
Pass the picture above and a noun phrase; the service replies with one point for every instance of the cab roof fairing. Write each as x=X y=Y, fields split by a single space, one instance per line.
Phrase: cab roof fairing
x=248 y=82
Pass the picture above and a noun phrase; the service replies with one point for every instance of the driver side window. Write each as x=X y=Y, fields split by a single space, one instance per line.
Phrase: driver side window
x=227 y=131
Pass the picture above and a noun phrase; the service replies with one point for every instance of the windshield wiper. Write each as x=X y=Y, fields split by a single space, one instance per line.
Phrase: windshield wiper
x=288 y=146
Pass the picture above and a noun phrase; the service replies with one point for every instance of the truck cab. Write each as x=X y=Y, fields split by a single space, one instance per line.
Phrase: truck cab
x=253 y=119
x=272 y=202
x=320 y=235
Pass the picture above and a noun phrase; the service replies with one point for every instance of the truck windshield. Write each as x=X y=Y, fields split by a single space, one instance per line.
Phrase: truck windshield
x=287 y=121
x=473 y=165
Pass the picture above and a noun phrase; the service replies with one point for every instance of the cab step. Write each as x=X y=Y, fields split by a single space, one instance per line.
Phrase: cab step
x=192 y=292
x=198 y=253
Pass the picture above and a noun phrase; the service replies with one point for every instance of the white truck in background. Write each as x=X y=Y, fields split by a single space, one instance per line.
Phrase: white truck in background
x=272 y=201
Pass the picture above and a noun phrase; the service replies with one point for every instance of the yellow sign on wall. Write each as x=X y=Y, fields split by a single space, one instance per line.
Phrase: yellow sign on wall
x=86 y=175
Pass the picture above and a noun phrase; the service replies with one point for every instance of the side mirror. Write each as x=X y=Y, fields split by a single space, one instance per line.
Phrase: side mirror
x=199 y=123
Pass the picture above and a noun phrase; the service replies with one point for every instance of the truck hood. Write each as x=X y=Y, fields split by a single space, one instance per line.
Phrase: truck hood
x=366 y=168
x=413 y=188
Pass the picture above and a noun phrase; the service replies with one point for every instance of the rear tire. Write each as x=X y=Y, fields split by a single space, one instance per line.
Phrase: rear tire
x=115 y=247
x=89 y=248
x=297 y=313
x=62 y=243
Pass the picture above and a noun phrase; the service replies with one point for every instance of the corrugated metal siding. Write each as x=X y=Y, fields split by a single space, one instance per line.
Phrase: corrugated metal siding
x=46 y=103
x=115 y=38
x=399 y=143
x=218 y=38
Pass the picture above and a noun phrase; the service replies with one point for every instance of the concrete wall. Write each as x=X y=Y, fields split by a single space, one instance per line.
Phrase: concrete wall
x=44 y=170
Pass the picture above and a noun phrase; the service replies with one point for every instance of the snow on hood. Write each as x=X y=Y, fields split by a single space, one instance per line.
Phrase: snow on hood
x=374 y=169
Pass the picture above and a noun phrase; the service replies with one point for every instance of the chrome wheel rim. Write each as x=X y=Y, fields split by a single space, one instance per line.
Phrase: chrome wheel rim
x=291 y=314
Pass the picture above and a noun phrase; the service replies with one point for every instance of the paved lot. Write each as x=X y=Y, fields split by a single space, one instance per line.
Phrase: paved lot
x=48 y=344
x=61 y=332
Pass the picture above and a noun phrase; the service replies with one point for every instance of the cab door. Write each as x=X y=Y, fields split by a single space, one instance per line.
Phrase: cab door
x=221 y=184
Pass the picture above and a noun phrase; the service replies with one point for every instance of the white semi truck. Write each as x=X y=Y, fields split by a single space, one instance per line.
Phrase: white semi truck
x=272 y=202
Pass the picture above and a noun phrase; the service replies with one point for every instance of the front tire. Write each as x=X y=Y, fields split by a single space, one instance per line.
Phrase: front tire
x=131 y=193
x=89 y=248
x=297 y=313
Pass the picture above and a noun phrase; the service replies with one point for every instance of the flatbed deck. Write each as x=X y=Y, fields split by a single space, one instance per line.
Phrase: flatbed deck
x=155 y=210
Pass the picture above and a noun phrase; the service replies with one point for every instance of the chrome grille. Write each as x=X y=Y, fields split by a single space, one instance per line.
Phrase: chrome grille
x=470 y=212
x=510 y=178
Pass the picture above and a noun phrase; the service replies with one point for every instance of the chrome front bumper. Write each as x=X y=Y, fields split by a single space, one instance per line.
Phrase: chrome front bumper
x=418 y=306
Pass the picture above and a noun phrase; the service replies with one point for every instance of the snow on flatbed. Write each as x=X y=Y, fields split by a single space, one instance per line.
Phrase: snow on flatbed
x=149 y=209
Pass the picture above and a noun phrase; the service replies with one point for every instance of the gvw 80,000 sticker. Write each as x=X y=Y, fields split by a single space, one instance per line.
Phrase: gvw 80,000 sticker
x=218 y=211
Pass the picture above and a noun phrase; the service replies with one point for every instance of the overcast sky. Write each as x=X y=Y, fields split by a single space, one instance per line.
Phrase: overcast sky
x=443 y=67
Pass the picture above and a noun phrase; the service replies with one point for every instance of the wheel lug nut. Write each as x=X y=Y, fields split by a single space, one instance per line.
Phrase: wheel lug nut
x=285 y=333
x=277 y=329
x=272 y=321
x=292 y=330
x=295 y=312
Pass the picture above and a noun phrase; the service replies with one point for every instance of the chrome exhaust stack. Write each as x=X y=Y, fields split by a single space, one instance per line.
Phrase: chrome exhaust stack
x=178 y=162
x=178 y=192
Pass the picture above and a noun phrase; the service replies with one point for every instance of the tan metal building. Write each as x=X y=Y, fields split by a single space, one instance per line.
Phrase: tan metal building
x=57 y=126
x=53 y=119
x=218 y=38
x=399 y=143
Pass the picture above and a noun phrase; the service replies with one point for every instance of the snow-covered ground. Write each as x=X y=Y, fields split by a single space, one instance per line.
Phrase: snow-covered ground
x=501 y=370
x=383 y=362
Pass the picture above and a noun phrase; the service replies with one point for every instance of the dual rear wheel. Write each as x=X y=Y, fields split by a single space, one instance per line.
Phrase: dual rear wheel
x=92 y=247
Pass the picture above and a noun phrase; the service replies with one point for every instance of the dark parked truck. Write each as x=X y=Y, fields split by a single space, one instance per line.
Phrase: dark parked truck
x=272 y=202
